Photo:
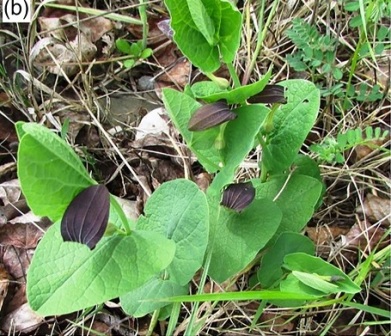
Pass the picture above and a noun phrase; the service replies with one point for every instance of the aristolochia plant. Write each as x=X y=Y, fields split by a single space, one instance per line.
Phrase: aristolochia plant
x=145 y=262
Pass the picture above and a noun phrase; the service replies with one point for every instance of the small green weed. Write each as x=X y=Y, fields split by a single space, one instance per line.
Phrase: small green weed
x=372 y=11
x=134 y=50
x=332 y=149
x=316 y=52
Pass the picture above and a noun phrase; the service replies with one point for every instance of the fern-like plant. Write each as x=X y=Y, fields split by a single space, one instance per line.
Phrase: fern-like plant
x=315 y=52
x=332 y=149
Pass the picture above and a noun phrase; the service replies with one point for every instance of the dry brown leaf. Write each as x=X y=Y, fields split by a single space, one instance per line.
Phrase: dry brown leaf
x=156 y=145
x=376 y=209
x=23 y=319
x=125 y=109
x=67 y=41
x=100 y=327
x=77 y=120
x=16 y=261
x=321 y=235
x=4 y=284
x=382 y=71
x=97 y=27
x=65 y=25
x=203 y=180
x=7 y=168
x=364 y=150
x=179 y=74
x=18 y=298
x=324 y=236
x=277 y=323
x=63 y=58
x=14 y=210
x=167 y=56
x=165 y=170
x=88 y=136
x=20 y=235
x=10 y=191
x=363 y=235
x=155 y=35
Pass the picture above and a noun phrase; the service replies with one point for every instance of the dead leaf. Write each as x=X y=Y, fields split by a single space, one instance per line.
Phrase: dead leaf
x=152 y=123
x=117 y=323
x=66 y=25
x=125 y=109
x=363 y=151
x=12 y=210
x=68 y=39
x=18 y=298
x=63 y=57
x=10 y=191
x=88 y=136
x=277 y=323
x=4 y=284
x=20 y=235
x=77 y=119
x=154 y=146
x=165 y=170
x=179 y=74
x=97 y=27
x=364 y=235
x=324 y=236
x=155 y=35
x=165 y=27
x=167 y=56
x=376 y=209
x=95 y=328
x=16 y=261
x=23 y=319
x=7 y=168
x=203 y=180
x=382 y=70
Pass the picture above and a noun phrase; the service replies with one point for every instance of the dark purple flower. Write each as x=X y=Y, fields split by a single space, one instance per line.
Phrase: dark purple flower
x=238 y=196
x=85 y=220
x=209 y=116
x=270 y=94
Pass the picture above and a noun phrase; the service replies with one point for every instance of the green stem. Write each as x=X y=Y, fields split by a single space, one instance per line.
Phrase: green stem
x=268 y=124
x=260 y=37
x=233 y=75
x=121 y=214
x=153 y=322
x=174 y=316
x=263 y=173
x=143 y=16
x=221 y=82
x=267 y=127
x=189 y=329
x=259 y=312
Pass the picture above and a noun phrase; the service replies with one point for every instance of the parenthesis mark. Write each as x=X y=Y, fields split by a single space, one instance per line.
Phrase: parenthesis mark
x=27 y=9
x=5 y=8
